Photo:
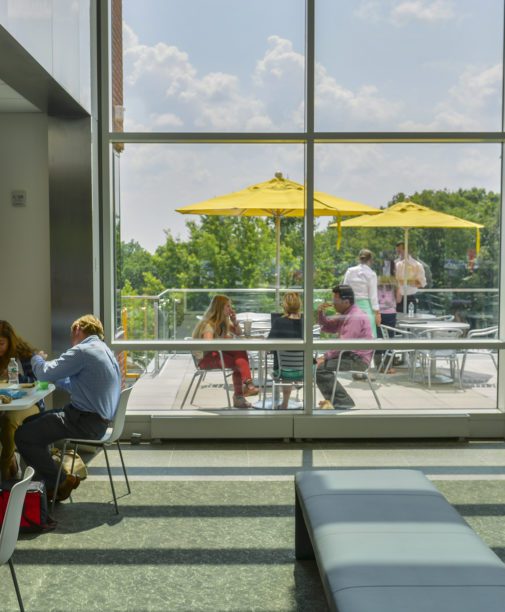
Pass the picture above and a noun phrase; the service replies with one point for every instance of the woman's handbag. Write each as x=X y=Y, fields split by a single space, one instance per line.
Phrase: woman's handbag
x=79 y=468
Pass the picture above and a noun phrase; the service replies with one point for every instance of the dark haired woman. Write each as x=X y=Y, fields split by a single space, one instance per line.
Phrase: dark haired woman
x=12 y=345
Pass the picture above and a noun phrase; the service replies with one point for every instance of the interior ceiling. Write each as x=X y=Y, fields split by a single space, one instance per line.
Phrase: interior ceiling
x=12 y=102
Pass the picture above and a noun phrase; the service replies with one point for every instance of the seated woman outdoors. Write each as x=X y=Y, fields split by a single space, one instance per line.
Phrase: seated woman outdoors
x=11 y=345
x=289 y=325
x=220 y=321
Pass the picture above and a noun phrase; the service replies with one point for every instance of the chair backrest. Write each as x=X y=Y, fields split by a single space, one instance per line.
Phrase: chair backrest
x=440 y=333
x=390 y=332
x=291 y=360
x=485 y=332
x=119 y=417
x=448 y=317
x=12 y=516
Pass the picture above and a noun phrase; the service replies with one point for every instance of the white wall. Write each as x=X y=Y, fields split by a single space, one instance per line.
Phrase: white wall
x=25 y=285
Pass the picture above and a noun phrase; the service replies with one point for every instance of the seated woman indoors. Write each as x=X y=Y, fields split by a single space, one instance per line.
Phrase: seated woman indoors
x=287 y=326
x=220 y=321
x=11 y=345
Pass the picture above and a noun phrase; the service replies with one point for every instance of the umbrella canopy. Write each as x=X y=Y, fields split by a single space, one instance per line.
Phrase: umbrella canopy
x=278 y=197
x=410 y=215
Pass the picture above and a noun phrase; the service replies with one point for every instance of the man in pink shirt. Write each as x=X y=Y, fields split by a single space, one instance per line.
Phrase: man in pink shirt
x=350 y=322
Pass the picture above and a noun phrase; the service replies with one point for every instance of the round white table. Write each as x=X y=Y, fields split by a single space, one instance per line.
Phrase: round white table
x=418 y=326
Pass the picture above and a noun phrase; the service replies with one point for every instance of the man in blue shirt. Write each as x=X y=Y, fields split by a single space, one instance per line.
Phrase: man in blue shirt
x=90 y=373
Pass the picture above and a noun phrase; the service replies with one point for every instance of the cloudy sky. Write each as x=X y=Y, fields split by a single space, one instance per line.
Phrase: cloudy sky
x=237 y=65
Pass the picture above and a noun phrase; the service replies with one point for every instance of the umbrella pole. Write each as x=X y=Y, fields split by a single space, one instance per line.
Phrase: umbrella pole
x=405 y=260
x=277 y=259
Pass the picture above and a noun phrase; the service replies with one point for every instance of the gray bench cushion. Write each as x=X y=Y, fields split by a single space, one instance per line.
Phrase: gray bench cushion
x=387 y=540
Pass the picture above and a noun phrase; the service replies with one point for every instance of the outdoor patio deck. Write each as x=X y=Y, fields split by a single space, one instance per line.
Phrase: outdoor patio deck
x=164 y=392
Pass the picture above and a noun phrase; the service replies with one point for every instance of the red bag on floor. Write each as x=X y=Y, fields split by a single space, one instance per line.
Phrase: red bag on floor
x=35 y=516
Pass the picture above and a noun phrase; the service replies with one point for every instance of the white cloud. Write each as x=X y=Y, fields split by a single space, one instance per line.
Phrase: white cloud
x=475 y=86
x=422 y=10
x=167 y=120
x=280 y=61
x=401 y=12
x=164 y=91
x=466 y=106
x=364 y=105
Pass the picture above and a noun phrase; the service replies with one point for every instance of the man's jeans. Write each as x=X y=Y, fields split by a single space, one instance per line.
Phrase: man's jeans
x=39 y=431
x=325 y=377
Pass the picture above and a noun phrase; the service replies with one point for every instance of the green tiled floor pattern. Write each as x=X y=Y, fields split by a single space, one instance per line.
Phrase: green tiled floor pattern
x=182 y=544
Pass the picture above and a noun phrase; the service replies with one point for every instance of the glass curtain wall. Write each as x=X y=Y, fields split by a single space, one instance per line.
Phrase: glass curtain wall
x=245 y=141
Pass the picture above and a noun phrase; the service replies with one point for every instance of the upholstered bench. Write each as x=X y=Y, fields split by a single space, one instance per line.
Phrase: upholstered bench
x=388 y=541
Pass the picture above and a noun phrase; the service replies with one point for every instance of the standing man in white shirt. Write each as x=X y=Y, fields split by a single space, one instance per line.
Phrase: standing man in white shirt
x=413 y=272
x=363 y=281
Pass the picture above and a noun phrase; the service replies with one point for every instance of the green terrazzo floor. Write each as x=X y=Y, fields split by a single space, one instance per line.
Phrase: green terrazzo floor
x=220 y=544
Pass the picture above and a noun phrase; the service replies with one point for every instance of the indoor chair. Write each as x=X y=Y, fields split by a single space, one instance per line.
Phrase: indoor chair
x=110 y=437
x=10 y=526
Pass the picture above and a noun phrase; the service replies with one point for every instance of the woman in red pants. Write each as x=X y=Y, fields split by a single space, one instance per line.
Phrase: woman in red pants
x=220 y=321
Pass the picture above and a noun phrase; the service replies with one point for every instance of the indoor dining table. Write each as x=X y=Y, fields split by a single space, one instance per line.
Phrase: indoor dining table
x=30 y=397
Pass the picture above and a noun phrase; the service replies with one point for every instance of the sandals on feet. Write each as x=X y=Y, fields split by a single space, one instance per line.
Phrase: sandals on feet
x=250 y=389
x=239 y=401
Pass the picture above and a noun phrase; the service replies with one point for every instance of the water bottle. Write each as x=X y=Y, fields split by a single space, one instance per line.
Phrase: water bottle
x=13 y=371
x=411 y=310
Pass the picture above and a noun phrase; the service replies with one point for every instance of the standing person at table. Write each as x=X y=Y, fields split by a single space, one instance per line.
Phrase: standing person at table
x=220 y=321
x=287 y=326
x=363 y=281
x=350 y=322
x=90 y=373
x=410 y=276
x=12 y=345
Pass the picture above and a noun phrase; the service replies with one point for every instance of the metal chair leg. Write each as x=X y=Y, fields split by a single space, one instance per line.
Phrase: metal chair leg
x=201 y=376
x=124 y=468
x=110 y=478
x=373 y=390
x=16 y=586
x=188 y=389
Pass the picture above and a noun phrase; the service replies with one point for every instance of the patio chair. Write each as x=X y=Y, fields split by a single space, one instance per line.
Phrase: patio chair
x=110 y=437
x=428 y=358
x=290 y=372
x=389 y=354
x=201 y=373
x=364 y=373
x=10 y=526
x=485 y=332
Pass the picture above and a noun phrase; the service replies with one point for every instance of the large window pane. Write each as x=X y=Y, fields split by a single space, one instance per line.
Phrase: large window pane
x=218 y=66
x=409 y=66
x=460 y=292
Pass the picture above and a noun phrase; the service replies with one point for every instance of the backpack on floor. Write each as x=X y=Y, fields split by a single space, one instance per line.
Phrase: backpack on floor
x=35 y=516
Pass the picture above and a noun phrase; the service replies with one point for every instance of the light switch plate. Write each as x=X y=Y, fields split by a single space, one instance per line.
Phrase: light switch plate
x=18 y=197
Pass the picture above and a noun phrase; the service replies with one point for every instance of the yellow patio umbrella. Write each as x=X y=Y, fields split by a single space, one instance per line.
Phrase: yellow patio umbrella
x=278 y=197
x=410 y=215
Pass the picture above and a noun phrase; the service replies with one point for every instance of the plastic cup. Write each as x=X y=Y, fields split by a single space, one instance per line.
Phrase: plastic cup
x=247 y=327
